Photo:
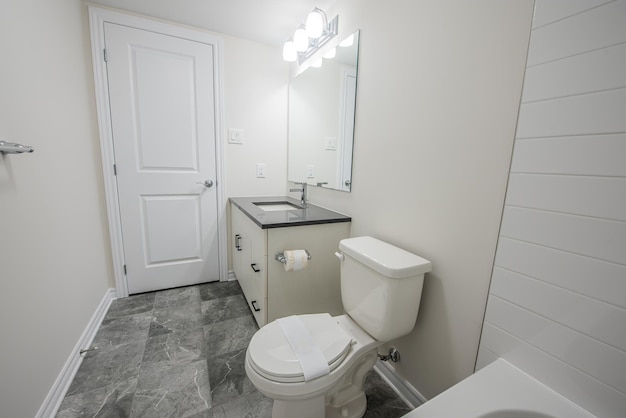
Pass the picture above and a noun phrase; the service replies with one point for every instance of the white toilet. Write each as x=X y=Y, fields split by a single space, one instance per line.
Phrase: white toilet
x=381 y=287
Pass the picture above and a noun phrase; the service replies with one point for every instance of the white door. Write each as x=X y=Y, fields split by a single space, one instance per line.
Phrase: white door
x=163 y=124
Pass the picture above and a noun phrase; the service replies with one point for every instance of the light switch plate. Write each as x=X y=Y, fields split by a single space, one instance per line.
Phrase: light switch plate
x=310 y=171
x=331 y=143
x=235 y=136
x=260 y=170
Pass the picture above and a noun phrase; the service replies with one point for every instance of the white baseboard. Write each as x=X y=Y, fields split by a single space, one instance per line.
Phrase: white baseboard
x=62 y=383
x=403 y=388
x=231 y=276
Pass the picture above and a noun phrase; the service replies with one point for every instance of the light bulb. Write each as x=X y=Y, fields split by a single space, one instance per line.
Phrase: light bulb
x=315 y=24
x=330 y=53
x=317 y=63
x=301 y=40
x=289 y=51
x=348 y=41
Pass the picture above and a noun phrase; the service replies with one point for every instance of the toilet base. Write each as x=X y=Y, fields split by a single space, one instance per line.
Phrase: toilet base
x=348 y=399
x=310 y=408
x=345 y=400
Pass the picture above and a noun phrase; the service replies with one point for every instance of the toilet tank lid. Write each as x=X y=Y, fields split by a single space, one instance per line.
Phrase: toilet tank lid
x=385 y=258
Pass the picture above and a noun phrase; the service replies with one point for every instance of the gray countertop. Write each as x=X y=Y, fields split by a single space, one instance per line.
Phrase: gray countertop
x=311 y=215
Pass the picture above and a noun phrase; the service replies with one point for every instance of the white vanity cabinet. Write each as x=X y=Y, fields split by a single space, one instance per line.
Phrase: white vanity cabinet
x=249 y=260
x=271 y=291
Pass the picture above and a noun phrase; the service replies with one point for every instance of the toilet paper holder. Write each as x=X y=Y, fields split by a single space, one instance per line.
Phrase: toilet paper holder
x=281 y=257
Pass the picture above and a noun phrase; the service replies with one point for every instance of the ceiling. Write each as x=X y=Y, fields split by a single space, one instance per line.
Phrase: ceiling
x=266 y=21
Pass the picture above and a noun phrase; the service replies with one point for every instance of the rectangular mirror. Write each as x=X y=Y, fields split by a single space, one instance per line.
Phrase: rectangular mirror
x=322 y=105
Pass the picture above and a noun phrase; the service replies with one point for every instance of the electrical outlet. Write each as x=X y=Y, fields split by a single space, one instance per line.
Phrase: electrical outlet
x=235 y=136
x=310 y=168
x=260 y=170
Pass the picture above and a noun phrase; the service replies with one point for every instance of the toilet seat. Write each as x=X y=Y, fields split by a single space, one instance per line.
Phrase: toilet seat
x=272 y=357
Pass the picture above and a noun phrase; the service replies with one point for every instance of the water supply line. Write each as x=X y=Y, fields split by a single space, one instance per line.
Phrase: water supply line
x=394 y=355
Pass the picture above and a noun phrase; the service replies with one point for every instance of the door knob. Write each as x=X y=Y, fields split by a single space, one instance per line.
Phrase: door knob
x=206 y=183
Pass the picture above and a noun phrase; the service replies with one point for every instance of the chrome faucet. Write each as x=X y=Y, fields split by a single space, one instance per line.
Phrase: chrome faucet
x=302 y=191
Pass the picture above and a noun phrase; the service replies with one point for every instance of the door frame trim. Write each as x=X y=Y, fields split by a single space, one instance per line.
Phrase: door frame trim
x=97 y=17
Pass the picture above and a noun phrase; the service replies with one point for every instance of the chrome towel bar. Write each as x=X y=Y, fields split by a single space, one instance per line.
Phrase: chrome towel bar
x=13 y=148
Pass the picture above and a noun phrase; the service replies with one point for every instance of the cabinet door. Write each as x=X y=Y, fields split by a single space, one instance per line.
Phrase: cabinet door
x=249 y=262
x=314 y=289
x=238 y=251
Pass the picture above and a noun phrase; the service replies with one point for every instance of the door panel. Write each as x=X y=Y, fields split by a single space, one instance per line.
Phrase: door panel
x=162 y=111
x=171 y=227
x=165 y=110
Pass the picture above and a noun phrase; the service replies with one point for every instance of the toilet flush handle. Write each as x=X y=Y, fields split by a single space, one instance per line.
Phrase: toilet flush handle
x=340 y=256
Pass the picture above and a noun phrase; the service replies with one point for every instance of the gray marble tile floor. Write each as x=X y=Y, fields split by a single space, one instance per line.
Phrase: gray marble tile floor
x=180 y=353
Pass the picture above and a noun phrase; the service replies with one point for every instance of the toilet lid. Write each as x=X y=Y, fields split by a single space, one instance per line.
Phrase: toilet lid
x=272 y=356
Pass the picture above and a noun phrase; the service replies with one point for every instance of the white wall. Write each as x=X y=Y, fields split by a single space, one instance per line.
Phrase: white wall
x=557 y=304
x=54 y=250
x=55 y=263
x=437 y=101
x=255 y=98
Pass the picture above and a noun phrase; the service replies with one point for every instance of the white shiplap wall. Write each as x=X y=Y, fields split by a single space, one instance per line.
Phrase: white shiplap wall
x=557 y=303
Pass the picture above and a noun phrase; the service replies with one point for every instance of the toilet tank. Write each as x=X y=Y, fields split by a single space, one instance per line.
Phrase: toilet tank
x=381 y=286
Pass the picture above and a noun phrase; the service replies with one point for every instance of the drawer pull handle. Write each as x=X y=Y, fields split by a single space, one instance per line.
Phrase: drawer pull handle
x=254 y=269
x=253 y=303
x=237 y=245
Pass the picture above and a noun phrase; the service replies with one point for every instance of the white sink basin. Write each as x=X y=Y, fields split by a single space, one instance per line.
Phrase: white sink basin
x=275 y=206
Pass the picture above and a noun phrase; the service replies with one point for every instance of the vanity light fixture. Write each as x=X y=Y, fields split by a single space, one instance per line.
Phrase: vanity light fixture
x=315 y=23
x=301 y=39
x=309 y=38
x=289 y=51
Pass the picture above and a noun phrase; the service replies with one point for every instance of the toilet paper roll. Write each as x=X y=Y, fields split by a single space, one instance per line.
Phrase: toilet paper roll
x=295 y=260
